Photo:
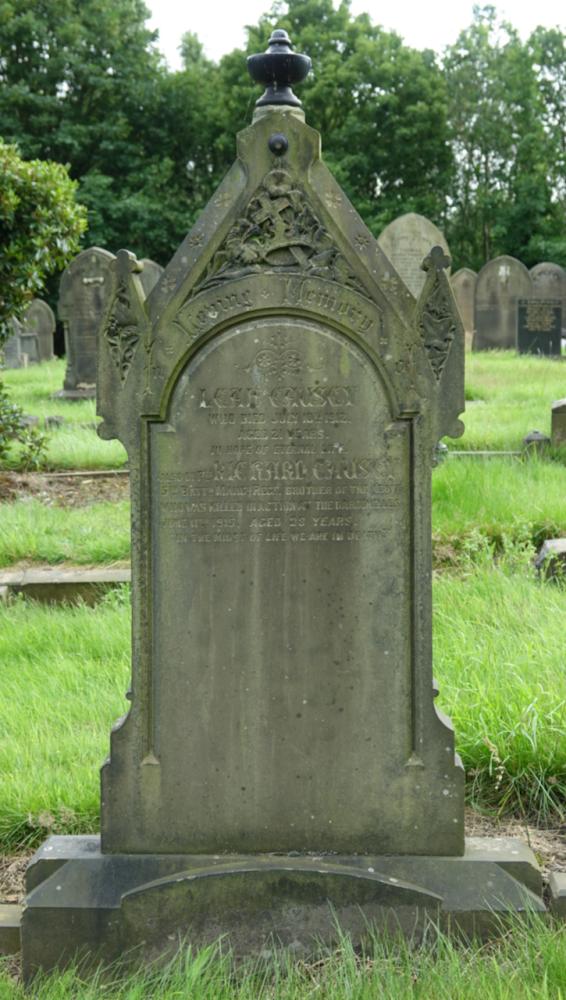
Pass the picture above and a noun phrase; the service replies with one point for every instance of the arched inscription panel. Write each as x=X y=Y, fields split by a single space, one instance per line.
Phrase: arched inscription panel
x=281 y=568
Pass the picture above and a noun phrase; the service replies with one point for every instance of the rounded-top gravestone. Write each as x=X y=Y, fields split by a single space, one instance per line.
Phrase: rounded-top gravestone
x=549 y=282
x=150 y=274
x=39 y=320
x=406 y=242
x=500 y=284
x=83 y=295
x=463 y=284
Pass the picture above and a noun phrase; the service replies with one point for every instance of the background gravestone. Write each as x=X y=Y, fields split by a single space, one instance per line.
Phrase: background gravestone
x=539 y=326
x=500 y=284
x=549 y=282
x=463 y=284
x=280 y=400
x=11 y=348
x=150 y=274
x=83 y=296
x=39 y=320
x=406 y=242
x=558 y=423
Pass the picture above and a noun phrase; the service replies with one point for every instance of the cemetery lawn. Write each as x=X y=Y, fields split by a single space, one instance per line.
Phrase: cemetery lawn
x=529 y=961
x=498 y=660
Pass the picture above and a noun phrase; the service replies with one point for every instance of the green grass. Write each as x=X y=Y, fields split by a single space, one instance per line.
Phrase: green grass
x=528 y=961
x=499 y=662
x=33 y=532
x=508 y=395
x=72 y=446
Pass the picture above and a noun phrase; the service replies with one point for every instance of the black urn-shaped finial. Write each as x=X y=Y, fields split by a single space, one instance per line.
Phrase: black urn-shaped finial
x=277 y=69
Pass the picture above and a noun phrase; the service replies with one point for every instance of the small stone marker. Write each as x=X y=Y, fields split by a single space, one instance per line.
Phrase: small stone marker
x=11 y=348
x=551 y=559
x=557 y=889
x=83 y=296
x=500 y=284
x=463 y=284
x=39 y=321
x=150 y=275
x=539 y=326
x=558 y=423
x=283 y=767
x=549 y=282
x=406 y=242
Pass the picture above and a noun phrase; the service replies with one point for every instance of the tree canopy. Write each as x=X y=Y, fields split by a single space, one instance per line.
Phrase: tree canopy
x=474 y=139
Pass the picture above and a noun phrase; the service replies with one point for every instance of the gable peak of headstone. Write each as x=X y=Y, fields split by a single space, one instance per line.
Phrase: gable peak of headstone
x=278 y=68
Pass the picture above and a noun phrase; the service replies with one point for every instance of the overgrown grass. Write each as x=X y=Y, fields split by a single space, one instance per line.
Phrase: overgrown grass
x=508 y=396
x=529 y=961
x=31 y=531
x=499 y=661
x=72 y=446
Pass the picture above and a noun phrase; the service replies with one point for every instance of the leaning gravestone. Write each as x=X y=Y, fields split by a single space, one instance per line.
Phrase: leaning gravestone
x=150 y=274
x=406 y=242
x=283 y=768
x=539 y=326
x=39 y=321
x=549 y=282
x=83 y=297
x=463 y=285
x=500 y=284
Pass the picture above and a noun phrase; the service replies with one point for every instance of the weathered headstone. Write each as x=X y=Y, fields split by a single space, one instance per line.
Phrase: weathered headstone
x=539 y=326
x=83 y=297
x=150 y=274
x=406 y=242
x=549 y=282
x=11 y=348
x=283 y=767
x=39 y=320
x=500 y=284
x=463 y=284
x=558 y=423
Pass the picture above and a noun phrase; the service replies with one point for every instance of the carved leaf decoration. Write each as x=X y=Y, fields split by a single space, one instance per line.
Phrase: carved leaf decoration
x=279 y=232
x=125 y=323
x=436 y=318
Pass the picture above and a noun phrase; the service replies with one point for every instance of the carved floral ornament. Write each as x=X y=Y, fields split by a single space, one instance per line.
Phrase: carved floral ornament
x=278 y=232
x=123 y=329
x=436 y=322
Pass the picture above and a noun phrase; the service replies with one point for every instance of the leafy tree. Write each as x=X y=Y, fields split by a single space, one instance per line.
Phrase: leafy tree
x=40 y=228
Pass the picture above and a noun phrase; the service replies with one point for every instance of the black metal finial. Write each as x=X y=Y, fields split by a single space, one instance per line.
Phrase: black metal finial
x=277 y=69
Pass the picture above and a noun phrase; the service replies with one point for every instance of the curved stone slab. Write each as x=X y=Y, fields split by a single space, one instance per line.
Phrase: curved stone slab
x=500 y=284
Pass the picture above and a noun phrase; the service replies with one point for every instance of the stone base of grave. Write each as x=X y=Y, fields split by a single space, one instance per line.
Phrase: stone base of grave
x=105 y=907
x=81 y=392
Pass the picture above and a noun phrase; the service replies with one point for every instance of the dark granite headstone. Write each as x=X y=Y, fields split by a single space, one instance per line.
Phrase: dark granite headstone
x=83 y=296
x=539 y=326
x=463 y=284
x=283 y=768
x=549 y=282
x=500 y=284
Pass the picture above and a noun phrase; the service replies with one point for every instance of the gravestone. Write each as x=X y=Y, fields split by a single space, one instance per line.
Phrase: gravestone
x=539 y=326
x=549 y=282
x=283 y=767
x=558 y=423
x=150 y=275
x=83 y=297
x=463 y=285
x=39 y=321
x=406 y=242
x=11 y=348
x=500 y=284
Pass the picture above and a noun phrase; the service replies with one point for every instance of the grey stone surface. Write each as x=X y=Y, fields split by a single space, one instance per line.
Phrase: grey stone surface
x=536 y=441
x=463 y=284
x=539 y=326
x=83 y=296
x=549 y=282
x=11 y=347
x=558 y=423
x=150 y=274
x=10 y=920
x=500 y=283
x=551 y=559
x=22 y=348
x=142 y=906
x=557 y=890
x=39 y=321
x=63 y=586
x=406 y=242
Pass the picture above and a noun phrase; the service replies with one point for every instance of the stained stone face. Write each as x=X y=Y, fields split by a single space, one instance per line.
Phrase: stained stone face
x=150 y=274
x=500 y=284
x=463 y=284
x=558 y=423
x=83 y=296
x=406 y=242
x=549 y=282
x=539 y=324
x=39 y=320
